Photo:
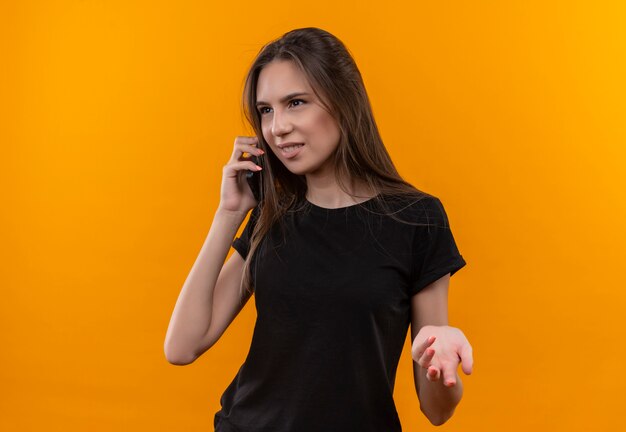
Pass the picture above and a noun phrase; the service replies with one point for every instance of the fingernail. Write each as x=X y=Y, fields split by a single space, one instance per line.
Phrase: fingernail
x=258 y=168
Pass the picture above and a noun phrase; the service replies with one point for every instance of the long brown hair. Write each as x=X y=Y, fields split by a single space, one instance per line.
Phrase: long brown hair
x=361 y=155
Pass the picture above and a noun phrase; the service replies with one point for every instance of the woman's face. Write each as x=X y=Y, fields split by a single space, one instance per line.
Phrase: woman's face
x=300 y=132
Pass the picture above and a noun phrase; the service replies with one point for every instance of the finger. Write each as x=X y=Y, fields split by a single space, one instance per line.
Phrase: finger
x=243 y=144
x=426 y=358
x=246 y=139
x=233 y=168
x=449 y=374
x=420 y=348
x=246 y=151
x=467 y=359
x=432 y=373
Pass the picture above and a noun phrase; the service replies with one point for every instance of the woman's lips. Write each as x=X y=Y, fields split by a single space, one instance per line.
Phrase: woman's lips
x=291 y=151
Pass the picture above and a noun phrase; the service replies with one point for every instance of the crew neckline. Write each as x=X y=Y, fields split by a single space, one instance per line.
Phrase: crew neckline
x=338 y=209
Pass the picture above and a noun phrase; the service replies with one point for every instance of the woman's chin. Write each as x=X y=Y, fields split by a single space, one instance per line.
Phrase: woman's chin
x=301 y=168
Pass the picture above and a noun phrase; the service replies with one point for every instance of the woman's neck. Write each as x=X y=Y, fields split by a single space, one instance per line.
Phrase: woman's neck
x=326 y=192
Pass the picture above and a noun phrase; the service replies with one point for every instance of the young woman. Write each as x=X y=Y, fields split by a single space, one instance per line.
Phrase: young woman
x=341 y=253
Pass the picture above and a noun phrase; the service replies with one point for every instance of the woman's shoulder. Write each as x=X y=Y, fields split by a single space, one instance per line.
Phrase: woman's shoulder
x=418 y=207
x=407 y=202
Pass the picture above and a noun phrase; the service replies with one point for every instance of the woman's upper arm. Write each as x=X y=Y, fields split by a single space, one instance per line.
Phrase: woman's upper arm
x=430 y=305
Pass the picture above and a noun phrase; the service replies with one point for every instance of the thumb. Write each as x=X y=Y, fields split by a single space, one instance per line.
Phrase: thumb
x=467 y=360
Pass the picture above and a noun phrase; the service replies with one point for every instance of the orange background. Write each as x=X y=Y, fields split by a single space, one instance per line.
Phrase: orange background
x=117 y=117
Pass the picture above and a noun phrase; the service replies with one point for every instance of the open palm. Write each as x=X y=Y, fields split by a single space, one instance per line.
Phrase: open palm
x=439 y=350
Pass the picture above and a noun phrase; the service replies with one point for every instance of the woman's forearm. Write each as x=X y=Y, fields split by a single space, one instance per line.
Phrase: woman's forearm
x=192 y=314
x=437 y=401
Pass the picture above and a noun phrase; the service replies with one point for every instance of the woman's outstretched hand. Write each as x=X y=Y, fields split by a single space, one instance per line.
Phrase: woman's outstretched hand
x=235 y=193
x=439 y=350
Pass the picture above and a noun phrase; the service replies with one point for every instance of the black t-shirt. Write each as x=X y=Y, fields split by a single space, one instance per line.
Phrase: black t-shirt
x=333 y=311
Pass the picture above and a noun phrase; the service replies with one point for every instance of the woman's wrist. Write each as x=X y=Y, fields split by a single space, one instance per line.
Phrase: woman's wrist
x=231 y=214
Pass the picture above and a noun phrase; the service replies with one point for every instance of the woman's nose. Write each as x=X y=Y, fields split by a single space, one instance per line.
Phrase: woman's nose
x=280 y=124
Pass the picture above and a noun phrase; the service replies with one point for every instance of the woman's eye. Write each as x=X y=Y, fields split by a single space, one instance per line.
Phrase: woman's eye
x=297 y=100
x=291 y=102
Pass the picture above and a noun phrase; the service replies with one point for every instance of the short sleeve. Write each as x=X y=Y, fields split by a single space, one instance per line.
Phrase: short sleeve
x=435 y=251
x=242 y=243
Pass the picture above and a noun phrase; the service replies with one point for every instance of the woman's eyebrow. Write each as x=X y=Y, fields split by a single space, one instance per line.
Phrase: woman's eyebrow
x=284 y=98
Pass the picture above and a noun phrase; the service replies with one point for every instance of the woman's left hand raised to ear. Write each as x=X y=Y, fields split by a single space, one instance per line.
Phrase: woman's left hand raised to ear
x=439 y=350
